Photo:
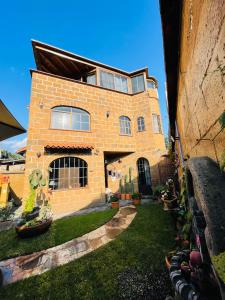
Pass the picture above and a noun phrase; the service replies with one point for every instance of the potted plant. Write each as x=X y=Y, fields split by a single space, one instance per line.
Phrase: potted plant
x=168 y=196
x=157 y=191
x=136 y=197
x=127 y=188
x=114 y=199
x=122 y=194
x=35 y=220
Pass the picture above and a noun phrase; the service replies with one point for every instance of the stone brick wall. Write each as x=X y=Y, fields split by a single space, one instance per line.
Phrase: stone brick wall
x=201 y=97
x=104 y=134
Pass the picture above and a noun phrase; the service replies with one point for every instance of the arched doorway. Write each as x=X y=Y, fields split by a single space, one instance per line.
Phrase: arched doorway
x=144 y=176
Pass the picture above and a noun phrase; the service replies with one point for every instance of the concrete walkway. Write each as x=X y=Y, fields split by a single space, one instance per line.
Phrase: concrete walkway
x=21 y=267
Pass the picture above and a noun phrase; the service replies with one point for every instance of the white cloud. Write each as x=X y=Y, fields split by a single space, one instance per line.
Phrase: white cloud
x=13 y=144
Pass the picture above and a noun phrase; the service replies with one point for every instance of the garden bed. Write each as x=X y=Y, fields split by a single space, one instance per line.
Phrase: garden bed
x=61 y=231
x=131 y=267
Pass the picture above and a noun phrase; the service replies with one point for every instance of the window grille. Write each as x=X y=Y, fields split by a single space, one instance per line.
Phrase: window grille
x=68 y=173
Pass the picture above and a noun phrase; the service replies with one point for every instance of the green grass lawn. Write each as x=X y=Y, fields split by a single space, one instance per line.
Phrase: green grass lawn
x=130 y=267
x=61 y=231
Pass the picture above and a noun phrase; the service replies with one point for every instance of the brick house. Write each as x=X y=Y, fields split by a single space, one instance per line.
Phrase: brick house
x=91 y=123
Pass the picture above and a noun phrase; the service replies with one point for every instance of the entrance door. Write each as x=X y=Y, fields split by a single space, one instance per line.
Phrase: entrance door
x=144 y=176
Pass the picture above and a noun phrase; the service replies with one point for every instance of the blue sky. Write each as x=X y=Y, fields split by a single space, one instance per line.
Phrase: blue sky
x=125 y=34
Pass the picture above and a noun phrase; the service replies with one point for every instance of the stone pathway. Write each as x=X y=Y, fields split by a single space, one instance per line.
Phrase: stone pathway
x=21 y=267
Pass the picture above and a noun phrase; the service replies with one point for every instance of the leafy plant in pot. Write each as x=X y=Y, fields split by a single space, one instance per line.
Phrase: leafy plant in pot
x=114 y=199
x=136 y=198
x=169 y=197
x=35 y=220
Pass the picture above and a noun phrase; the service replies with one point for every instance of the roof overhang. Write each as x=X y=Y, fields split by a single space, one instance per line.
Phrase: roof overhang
x=171 y=17
x=9 y=126
x=63 y=63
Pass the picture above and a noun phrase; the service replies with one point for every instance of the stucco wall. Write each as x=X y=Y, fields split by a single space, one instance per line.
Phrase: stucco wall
x=104 y=134
x=201 y=93
x=16 y=181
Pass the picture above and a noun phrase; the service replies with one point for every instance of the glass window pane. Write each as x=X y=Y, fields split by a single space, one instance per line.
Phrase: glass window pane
x=63 y=108
x=76 y=125
x=138 y=83
x=70 y=120
x=84 y=118
x=56 y=120
x=106 y=80
x=125 y=125
x=150 y=84
x=66 y=121
x=156 y=124
x=76 y=117
x=85 y=126
x=91 y=79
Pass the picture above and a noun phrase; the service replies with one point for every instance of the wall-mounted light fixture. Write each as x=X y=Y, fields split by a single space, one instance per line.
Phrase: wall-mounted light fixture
x=38 y=154
x=107 y=114
x=41 y=104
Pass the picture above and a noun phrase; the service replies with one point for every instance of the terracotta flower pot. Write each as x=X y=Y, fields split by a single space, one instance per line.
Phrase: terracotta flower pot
x=123 y=196
x=115 y=204
x=136 y=201
x=128 y=196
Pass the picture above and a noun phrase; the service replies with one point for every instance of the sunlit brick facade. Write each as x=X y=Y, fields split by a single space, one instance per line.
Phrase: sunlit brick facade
x=108 y=150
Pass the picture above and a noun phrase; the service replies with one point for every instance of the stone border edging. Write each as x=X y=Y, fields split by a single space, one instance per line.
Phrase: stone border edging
x=22 y=267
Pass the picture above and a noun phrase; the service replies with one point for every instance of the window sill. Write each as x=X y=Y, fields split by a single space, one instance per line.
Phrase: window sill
x=141 y=130
x=73 y=130
x=72 y=189
x=129 y=135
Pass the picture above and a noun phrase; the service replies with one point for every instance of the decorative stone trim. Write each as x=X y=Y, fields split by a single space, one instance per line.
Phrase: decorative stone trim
x=21 y=267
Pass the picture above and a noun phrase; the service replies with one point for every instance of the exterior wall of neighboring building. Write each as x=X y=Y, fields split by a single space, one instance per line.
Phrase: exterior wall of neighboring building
x=201 y=98
x=104 y=135
x=16 y=181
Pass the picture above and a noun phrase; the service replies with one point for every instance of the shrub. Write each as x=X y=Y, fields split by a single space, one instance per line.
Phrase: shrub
x=136 y=196
x=114 y=198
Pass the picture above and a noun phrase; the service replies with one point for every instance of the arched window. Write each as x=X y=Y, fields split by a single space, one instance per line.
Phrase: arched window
x=125 y=127
x=141 y=123
x=67 y=173
x=71 y=118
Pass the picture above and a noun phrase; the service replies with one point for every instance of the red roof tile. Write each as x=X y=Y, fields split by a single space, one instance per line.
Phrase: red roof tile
x=22 y=149
x=64 y=145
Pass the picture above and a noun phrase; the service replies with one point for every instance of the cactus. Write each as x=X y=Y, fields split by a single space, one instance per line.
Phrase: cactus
x=130 y=175
x=126 y=182
x=132 y=187
x=121 y=186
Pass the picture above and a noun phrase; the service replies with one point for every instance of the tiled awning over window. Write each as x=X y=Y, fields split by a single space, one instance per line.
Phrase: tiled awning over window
x=68 y=146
